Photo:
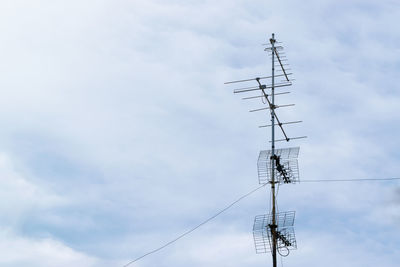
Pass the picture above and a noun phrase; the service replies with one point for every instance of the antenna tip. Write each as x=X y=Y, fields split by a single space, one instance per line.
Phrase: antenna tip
x=272 y=40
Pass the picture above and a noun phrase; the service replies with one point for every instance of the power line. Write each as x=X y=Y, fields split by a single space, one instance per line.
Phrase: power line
x=196 y=227
x=349 y=180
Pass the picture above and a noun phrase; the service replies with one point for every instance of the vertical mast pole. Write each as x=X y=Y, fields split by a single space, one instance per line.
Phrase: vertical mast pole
x=273 y=226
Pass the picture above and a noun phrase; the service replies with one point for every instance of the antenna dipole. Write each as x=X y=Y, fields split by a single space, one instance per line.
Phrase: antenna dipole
x=274 y=232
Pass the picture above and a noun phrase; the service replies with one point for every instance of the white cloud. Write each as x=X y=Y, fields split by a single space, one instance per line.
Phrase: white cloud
x=115 y=117
x=19 y=251
x=20 y=196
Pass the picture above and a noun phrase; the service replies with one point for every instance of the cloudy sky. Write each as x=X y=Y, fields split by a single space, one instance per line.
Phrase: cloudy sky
x=118 y=134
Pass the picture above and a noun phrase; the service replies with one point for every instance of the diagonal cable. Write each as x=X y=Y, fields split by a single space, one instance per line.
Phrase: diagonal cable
x=196 y=227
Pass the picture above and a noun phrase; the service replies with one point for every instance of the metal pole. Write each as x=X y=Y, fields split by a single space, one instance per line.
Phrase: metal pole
x=273 y=226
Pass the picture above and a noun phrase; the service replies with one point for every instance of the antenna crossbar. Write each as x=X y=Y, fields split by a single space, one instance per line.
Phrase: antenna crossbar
x=276 y=106
x=255 y=89
x=254 y=79
x=261 y=96
x=258 y=87
x=283 y=123
x=291 y=138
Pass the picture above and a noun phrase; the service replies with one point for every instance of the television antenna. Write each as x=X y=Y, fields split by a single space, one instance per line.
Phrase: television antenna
x=274 y=232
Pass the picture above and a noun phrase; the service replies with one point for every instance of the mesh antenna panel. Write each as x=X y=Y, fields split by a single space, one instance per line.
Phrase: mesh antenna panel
x=286 y=169
x=286 y=238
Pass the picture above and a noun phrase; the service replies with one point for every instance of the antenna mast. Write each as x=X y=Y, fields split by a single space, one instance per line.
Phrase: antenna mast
x=273 y=226
x=274 y=231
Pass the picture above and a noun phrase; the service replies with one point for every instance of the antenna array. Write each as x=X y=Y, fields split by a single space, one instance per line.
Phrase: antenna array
x=274 y=232
x=286 y=239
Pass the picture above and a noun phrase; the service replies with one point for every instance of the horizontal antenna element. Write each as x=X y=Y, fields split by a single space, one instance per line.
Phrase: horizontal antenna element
x=262 y=96
x=265 y=87
x=291 y=138
x=283 y=123
x=280 y=106
x=253 y=79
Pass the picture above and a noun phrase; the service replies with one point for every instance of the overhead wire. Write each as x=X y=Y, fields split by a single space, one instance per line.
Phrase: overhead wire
x=238 y=200
x=349 y=180
x=197 y=226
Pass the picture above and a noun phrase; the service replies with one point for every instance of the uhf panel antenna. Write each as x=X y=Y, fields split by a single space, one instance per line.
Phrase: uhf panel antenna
x=286 y=239
x=286 y=166
x=274 y=232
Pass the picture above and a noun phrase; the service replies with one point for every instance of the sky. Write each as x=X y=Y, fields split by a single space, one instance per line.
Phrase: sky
x=118 y=133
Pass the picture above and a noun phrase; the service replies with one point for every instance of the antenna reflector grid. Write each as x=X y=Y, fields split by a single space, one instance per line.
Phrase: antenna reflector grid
x=286 y=169
x=284 y=231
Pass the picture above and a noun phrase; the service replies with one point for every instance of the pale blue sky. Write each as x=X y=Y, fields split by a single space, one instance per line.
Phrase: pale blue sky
x=118 y=133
